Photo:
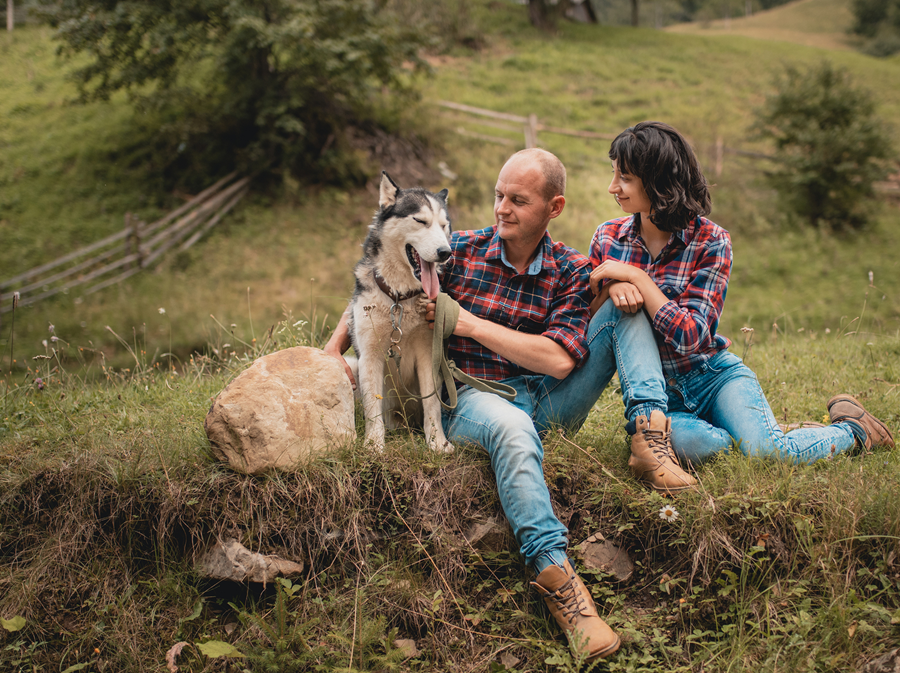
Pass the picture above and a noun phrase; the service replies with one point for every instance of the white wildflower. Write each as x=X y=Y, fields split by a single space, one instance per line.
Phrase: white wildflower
x=162 y=311
x=668 y=513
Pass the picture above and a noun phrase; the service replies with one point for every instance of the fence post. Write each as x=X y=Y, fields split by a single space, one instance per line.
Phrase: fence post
x=531 y=131
x=10 y=15
x=138 y=235
x=720 y=155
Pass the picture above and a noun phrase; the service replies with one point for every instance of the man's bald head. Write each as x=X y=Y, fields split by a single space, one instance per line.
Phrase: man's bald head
x=551 y=168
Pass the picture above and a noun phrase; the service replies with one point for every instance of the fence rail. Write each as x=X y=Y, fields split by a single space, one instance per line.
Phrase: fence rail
x=123 y=254
x=530 y=126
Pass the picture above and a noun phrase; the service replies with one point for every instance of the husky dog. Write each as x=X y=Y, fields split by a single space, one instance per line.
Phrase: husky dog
x=407 y=244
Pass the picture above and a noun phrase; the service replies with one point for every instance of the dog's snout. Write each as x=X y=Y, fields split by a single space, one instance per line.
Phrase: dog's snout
x=443 y=254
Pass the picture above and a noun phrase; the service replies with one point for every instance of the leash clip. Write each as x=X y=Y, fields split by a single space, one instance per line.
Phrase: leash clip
x=396 y=321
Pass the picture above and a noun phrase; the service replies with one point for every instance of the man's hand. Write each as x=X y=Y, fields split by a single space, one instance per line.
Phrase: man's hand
x=338 y=344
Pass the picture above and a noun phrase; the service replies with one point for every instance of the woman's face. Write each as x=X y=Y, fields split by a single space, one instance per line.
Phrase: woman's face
x=629 y=191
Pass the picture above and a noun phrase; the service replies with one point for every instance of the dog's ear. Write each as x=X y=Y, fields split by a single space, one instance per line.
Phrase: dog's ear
x=443 y=194
x=387 y=195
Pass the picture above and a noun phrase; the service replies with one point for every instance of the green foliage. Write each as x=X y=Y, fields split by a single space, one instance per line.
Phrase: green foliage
x=265 y=84
x=879 y=22
x=830 y=146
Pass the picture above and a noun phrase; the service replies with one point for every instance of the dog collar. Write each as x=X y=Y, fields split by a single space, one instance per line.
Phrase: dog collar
x=393 y=294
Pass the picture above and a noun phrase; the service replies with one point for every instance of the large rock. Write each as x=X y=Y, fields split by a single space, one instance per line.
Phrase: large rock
x=283 y=409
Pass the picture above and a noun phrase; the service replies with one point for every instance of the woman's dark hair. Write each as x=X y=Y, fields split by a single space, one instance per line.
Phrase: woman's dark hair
x=661 y=157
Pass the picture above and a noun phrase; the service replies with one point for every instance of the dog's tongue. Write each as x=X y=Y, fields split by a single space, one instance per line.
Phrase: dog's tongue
x=430 y=282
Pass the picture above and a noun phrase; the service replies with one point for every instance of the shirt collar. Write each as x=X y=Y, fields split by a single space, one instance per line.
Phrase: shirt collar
x=686 y=235
x=543 y=258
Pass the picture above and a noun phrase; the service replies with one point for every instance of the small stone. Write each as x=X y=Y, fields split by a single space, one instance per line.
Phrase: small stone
x=230 y=560
x=598 y=553
x=886 y=663
x=407 y=647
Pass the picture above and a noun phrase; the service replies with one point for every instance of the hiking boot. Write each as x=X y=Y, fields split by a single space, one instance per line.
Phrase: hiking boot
x=847 y=409
x=653 y=460
x=787 y=427
x=571 y=605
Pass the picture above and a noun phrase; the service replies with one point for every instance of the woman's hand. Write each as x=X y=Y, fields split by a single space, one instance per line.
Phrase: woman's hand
x=625 y=296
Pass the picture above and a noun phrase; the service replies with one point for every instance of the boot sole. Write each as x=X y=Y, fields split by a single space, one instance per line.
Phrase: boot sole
x=889 y=442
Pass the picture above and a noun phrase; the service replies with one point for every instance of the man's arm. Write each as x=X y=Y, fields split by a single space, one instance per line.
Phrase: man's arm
x=534 y=352
x=339 y=343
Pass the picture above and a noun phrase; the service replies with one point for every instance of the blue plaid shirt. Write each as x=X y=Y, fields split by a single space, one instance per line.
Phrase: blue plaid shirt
x=550 y=298
x=692 y=271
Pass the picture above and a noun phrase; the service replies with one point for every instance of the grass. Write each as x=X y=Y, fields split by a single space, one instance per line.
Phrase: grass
x=108 y=490
x=74 y=188
x=824 y=24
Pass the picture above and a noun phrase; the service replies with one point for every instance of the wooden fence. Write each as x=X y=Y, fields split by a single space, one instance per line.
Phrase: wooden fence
x=530 y=126
x=136 y=247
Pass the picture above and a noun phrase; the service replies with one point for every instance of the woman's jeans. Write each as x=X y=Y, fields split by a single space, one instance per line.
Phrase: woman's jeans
x=511 y=432
x=721 y=404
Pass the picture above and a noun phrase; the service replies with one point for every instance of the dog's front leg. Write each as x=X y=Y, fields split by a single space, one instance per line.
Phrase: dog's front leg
x=371 y=385
x=431 y=405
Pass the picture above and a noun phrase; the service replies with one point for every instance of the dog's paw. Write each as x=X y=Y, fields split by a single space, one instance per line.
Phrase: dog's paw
x=441 y=446
x=375 y=443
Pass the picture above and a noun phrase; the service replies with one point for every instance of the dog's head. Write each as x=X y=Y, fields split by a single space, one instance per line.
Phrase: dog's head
x=416 y=223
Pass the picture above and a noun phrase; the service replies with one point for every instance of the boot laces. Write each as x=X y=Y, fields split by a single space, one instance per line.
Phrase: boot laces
x=568 y=599
x=658 y=441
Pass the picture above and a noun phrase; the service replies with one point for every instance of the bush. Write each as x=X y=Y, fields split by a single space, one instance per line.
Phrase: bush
x=830 y=146
x=261 y=83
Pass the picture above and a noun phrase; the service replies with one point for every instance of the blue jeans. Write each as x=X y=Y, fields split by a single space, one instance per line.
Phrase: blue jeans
x=511 y=432
x=721 y=404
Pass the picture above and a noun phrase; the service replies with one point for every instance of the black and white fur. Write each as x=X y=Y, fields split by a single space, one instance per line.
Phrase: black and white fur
x=407 y=245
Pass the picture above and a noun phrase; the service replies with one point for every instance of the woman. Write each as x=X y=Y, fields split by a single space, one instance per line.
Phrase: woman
x=667 y=260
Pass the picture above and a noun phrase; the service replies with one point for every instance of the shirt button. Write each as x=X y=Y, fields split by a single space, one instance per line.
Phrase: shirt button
x=672 y=382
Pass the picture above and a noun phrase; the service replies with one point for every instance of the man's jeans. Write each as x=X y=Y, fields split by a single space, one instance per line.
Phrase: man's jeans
x=511 y=432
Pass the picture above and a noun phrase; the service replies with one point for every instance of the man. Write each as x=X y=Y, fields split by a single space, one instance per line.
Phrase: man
x=523 y=317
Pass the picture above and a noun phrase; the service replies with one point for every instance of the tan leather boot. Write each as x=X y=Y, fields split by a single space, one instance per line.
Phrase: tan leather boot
x=848 y=409
x=571 y=605
x=653 y=460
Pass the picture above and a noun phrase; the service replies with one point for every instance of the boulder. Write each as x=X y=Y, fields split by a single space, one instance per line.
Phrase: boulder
x=282 y=410
x=230 y=560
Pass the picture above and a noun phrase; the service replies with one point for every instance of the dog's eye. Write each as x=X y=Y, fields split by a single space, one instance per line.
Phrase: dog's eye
x=421 y=221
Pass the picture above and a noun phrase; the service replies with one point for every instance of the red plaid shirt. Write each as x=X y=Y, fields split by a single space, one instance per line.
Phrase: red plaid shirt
x=549 y=299
x=692 y=271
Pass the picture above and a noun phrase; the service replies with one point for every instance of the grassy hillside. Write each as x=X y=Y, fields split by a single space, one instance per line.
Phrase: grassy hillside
x=69 y=173
x=812 y=23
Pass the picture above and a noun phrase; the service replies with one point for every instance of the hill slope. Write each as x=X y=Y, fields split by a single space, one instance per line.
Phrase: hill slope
x=811 y=23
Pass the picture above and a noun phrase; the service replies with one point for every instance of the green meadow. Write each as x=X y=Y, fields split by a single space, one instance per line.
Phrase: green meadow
x=108 y=489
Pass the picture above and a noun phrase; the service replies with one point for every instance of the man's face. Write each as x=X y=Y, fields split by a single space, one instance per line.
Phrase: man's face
x=521 y=212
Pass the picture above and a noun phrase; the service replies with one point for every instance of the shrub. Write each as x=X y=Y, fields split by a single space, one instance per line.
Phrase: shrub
x=264 y=83
x=830 y=146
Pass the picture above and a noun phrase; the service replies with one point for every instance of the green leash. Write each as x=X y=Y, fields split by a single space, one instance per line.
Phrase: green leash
x=446 y=315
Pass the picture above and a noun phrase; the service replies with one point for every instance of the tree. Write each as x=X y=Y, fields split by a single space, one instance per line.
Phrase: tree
x=831 y=148
x=266 y=83
x=879 y=22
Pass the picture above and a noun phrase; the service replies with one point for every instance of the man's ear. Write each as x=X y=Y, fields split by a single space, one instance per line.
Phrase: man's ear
x=557 y=203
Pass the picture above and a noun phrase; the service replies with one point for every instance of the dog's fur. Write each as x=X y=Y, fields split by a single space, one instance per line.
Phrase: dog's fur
x=407 y=244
